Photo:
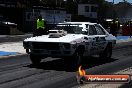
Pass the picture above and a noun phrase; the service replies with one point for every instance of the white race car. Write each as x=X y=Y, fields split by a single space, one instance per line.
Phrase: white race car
x=71 y=39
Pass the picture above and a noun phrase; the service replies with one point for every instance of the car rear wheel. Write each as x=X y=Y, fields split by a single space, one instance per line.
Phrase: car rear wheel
x=107 y=53
x=77 y=57
x=35 y=59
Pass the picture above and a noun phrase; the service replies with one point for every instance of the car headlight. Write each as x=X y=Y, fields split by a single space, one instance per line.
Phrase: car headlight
x=66 y=45
x=74 y=46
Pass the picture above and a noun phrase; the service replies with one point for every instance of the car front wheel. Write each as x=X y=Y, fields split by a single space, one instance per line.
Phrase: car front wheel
x=77 y=57
x=35 y=59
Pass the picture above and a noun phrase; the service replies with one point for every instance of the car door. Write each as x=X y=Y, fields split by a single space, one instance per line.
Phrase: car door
x=92 y=33
x=101 y=38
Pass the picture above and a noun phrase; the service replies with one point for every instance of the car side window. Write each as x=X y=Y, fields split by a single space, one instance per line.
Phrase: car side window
x=92 y=30
x=100 y=30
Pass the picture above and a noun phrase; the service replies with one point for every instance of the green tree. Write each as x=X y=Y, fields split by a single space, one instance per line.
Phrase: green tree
x=71 y=6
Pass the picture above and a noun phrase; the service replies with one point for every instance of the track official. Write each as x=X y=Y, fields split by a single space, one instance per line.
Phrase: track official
x=41 y=27
x=115 y=26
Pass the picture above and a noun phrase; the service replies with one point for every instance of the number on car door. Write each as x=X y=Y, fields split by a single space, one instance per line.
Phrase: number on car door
x=93 y=36
x=101 y=37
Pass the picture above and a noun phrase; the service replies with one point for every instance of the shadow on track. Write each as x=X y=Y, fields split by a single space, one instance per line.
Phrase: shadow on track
x=59 y=64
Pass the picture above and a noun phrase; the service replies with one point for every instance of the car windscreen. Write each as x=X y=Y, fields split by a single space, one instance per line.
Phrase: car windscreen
x=72 y=29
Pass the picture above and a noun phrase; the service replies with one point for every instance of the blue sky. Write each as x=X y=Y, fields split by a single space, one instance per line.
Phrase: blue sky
x=116 y=1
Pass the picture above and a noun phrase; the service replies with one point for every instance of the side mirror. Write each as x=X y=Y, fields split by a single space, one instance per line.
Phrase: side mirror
x=107 y=35
x=84 y=31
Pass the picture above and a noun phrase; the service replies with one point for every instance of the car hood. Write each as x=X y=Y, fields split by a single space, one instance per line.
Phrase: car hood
x=45 y=38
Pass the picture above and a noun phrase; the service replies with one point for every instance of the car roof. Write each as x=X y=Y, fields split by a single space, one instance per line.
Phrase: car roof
x=69 y=23
x=81 y=23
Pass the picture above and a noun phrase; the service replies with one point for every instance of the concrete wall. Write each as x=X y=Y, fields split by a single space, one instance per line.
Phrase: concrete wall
x=54 y=16
x=50 y=16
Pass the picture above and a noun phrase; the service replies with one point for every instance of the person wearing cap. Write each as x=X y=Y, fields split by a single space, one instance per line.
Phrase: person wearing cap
x=115 y=26
x=130 y=28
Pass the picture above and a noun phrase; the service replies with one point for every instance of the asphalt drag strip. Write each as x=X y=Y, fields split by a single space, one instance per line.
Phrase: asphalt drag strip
x=18 y=72
x=121 y=66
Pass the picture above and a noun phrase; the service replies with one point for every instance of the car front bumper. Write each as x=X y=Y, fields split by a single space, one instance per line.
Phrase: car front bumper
x=50 y=53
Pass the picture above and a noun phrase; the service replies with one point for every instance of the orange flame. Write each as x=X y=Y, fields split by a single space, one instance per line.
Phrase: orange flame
x=81 y=71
